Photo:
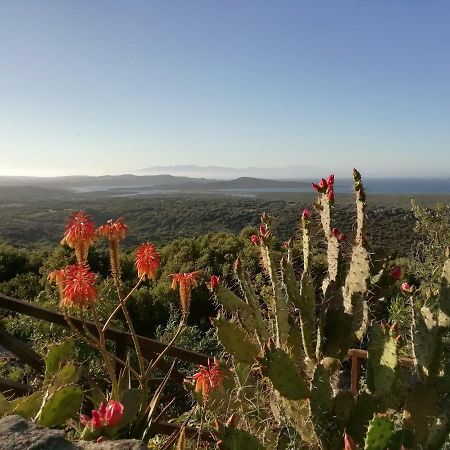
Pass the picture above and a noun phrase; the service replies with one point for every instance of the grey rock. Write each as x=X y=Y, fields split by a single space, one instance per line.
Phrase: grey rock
x=124 y=444
x=16 y=433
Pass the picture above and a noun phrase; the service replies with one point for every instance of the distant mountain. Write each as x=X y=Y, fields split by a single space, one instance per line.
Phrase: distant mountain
x=295 y=172
x=102 y=181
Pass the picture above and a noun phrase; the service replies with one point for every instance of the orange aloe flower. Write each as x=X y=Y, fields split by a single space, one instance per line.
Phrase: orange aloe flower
x=115 y=231
x=186 y=282
x=208 y=378
x=147 y=260
x=76 y=284
x=79 y=234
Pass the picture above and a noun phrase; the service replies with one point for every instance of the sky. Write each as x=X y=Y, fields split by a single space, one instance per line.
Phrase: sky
x=105 y=87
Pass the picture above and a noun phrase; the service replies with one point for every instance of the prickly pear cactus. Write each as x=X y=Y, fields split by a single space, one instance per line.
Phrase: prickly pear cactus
x=63 y=404
x=300 y=334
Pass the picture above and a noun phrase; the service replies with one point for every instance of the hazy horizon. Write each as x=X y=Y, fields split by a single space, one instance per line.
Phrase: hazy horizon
x=108 y=87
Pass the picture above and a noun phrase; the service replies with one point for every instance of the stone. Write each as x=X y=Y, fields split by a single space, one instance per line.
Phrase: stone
x=17 y=433
x=20 y=434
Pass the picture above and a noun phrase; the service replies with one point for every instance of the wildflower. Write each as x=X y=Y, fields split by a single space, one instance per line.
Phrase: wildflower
x=208 y=378
x=147 y=260
x=406 y=287
x=186 y=282
x=323 y=184
x=263 y=231
x=306 y=214
x=113 y=230
x=349 y=444
x=338 y=234
x=79 y=234
x=255 y=239
x=341 y=237
x=79 y=289
x=330 y=181
x=330 y=195
x=214 y=282
x=396 y=273
x=107 y=415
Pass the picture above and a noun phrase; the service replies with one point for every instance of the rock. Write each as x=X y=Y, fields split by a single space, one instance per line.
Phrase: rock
x=16 y=433
x=123 y=444
x=19 y=434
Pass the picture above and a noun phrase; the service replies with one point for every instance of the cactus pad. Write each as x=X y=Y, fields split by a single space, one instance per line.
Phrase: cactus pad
x=235 y=341
x=278 y=366
x=63 y=404
x=57 y=355
x=378 y=434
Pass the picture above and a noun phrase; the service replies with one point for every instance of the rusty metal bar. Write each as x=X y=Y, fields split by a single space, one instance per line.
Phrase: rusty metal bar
x=22 y=350
x=356 y=355
x=10 y=387
x=148 y=346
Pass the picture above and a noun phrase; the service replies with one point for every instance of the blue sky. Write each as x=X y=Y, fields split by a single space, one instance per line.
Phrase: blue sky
x=99 y=87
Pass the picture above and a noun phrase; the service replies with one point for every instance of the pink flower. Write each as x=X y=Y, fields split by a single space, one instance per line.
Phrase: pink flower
x=306 y=214
x=323 y=184
x=263 y=231
x=396 y=273
x=113 y=413
x=349 y=444
x=330 y=195
x=316 y=187
x=406 y=287
x=330 y=181
x=255 y=239
x=215 y=282
x=107 y=415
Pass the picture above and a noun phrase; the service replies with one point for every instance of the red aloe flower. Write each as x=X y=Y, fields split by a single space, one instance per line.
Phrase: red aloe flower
x=186 y=282
x=107 y=415
x=255 y=239
x=113 y=230
x=78 y=286
x=79 y=234
x=147 y=260
x=208 y=378
x=396 y=273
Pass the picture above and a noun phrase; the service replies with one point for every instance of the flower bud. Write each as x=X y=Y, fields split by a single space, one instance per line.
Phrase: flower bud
x=215 y=281
x=396 y=273
x=255 y=239
x=406 y=287
x=306 y=214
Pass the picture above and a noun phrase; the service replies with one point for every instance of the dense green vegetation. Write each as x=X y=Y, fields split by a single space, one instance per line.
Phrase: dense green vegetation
x=217 y=230
x=39 y=222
